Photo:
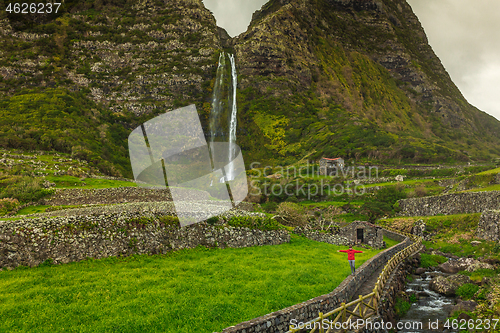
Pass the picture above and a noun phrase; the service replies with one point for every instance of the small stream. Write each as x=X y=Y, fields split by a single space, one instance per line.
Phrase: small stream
x=430 y=306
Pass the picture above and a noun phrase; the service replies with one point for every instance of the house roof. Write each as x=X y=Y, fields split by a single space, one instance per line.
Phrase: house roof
x=332 y=159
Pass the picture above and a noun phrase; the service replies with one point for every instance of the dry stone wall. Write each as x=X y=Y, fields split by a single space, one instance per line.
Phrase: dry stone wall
x=458 y=203
x=29 y=242
x=113 y=196
x=322 y=237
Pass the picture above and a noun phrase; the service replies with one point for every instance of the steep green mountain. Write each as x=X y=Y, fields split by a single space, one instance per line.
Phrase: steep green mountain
x=351 y=78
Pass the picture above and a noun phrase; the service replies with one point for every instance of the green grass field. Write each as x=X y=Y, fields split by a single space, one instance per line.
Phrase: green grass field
x=197 y=290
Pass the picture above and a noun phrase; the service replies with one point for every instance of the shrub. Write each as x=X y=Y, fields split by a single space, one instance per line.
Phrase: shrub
x=254 y=222
x=25 y=190
x=7 y=205
x=402 y=306
x=213 y=220
x=420 y=191
x=430 y=260
x=292 y=214
x=383 y=202
x=270 y=207
x=172 y=221
x=467 y=290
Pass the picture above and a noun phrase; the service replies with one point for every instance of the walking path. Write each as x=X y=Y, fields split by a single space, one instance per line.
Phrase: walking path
x=369 y=284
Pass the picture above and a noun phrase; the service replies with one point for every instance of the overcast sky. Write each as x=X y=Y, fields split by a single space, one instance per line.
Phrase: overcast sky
x=463 y=34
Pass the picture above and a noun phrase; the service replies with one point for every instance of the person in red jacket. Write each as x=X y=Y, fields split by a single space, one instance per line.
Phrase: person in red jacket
x=350 y=257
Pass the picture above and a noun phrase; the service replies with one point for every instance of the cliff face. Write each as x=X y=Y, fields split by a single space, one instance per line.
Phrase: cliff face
x=351 y=78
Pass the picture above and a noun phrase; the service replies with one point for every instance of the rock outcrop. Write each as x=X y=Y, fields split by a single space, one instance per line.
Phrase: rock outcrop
x=463 y=264
x=448 y=285
x=488 y=225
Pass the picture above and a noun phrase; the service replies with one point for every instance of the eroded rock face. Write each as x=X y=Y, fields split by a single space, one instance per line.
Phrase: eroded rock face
x=448 y=285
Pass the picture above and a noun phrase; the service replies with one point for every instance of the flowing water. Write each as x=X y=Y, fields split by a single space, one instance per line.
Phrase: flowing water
x=216 y=126
x=234 y=113
x=223 y=116
x=431 y=307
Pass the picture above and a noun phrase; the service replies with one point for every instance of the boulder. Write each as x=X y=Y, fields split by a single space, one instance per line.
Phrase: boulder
x=448 y=285
x=492 y=261
x=459 y=279
x=420 y=271
x=449 y=267
x=479 y=265
x=475 y=243
x=467 y=306
x=463 y=316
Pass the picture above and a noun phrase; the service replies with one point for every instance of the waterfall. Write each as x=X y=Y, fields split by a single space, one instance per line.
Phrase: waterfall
x=234 y=112
x=217 y=103
x=223 y=118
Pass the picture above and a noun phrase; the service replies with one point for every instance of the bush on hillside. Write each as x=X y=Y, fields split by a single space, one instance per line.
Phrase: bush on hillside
x=25 y=189
x=7 y=205
x=292 y=214
x=383 y=203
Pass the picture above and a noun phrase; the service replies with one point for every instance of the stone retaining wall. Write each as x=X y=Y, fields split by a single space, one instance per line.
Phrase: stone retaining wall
x=279 y=321
x=458 y=203
x=115 y=195
x=488 y=225
x=105 y=196
x=30 y=242
x=393 y=235
x=395 y=284
x=322 y=237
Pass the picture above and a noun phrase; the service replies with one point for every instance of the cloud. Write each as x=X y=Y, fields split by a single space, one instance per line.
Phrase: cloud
x=234 y=15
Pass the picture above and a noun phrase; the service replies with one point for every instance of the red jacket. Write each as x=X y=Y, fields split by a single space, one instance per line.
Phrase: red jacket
x=350 y=253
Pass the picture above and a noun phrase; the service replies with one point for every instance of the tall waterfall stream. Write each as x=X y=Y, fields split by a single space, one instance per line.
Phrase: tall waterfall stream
x=223 y=116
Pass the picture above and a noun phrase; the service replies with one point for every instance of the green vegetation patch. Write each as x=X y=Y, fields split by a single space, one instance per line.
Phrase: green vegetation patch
x=463 y=248
x=467 y=290
x=431 y=260
x=389 y=242
x=22 y=188
x=197 y=290
x=446 y=227
x=55 y=119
